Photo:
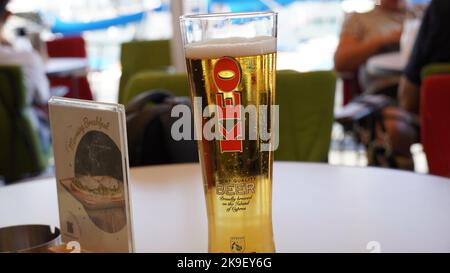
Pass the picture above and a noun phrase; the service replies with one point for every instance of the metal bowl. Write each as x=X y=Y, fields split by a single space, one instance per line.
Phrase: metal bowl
x=28 y=238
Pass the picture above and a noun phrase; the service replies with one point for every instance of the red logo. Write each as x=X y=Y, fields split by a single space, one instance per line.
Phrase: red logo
x=227 y=76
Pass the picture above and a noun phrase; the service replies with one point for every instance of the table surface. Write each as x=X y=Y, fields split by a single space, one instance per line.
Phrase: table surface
x=316 y=208
x=387 y=63
x=64 y=67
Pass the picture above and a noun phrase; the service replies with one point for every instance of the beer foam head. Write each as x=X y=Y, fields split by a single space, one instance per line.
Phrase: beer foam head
x=234 y=47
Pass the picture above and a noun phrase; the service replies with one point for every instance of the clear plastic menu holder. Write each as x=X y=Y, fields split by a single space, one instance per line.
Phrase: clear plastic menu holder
x=91 y=167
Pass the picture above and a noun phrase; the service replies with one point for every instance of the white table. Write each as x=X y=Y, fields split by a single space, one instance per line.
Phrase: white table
x=66 y=67
x=391 y=63
x=316 y=207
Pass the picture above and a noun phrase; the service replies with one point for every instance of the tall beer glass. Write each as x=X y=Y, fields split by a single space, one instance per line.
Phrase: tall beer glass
x=231 y=61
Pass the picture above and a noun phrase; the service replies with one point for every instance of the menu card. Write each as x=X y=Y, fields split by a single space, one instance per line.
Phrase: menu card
x=91 y=160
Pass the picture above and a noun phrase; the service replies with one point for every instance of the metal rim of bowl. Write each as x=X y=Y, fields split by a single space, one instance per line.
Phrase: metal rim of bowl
x=55 y=233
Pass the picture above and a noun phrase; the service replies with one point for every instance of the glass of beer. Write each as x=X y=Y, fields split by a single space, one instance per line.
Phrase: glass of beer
x=231 y=63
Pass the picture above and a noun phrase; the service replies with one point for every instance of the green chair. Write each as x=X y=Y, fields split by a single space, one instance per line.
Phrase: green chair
x=144 y=81
x=138 y=56
x=436 y=68
x=306 y=103
x=21 y=154
x=306 y=109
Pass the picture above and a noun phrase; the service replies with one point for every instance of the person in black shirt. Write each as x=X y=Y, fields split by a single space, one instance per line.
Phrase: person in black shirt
x=432 y=46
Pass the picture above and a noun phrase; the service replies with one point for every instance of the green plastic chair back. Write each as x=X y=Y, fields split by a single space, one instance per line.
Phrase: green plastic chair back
x=21 y=153
x=177 y=84
x=306 y=103
x=306 y=108
x=138 y=56
x=436 y=68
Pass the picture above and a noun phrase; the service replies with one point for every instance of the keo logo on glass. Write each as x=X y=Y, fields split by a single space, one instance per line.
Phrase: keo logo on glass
x=226 y=119
x=227 y=76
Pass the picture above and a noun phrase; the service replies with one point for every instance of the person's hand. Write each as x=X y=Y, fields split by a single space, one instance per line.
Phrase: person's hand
x=391 y=38
x=4 y=42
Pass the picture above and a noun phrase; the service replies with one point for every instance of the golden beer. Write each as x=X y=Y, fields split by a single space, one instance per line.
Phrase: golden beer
x=237 y=174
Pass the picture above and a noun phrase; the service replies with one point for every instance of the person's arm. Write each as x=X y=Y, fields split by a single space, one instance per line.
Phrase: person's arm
x=351 y=53
x=409 y=95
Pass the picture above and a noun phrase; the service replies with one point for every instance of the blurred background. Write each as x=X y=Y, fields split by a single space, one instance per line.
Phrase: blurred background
x=308 y=35
x=307 y=29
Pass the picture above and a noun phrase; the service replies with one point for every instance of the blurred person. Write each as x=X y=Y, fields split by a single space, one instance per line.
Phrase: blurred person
x=389 y=135
x=364 y=35
x=432 y=46
x=36 y=82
